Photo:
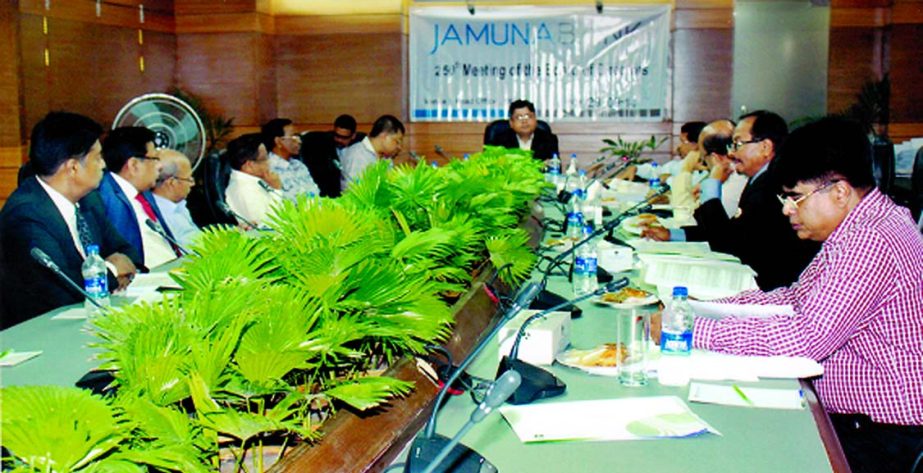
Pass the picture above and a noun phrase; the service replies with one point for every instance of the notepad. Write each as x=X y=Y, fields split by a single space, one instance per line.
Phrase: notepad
x=75 y=313
x=745 y=396
x=13 y=358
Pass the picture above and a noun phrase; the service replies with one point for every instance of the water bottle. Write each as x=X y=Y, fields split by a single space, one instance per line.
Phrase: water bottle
x=554 y=169
x=654 y=183
x=95 y=281
x=574 y=219
x=676 y=340
x=572 y=166
x=585 y=266
x=467 y=157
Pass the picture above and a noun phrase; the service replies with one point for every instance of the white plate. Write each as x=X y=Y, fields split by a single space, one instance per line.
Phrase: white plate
x=570 y=359
x=629 y=303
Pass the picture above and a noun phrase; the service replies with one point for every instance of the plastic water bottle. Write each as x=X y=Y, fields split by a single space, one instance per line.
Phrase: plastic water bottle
x=572 y=166
x=95 y=281
x=574 y=219
x=676 y=340
x=554 y=169
x=585 y=280
x=467 y=157
x=582 y=184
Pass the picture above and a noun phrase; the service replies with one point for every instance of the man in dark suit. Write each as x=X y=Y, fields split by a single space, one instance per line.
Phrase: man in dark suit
x=759 y=234
x=54 y=212
x=125 y=191
x=524 y=134
x=321 y=152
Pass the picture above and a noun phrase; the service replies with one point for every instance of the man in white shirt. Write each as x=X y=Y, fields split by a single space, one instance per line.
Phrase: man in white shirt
x=173 y=186
x=253 y=188
x=125 y=190
x=383 y=142
x=56 y=212
x=283 y=144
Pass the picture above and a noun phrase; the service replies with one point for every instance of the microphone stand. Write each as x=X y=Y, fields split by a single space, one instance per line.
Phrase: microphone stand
x=536 y=382
x=158 y=229
x=428 y=444
x=236 y=216
x=43 y=259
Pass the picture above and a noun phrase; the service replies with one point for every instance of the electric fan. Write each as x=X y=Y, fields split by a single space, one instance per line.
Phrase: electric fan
x=175 y=124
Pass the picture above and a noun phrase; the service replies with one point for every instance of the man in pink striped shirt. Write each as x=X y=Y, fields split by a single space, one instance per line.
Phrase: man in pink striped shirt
x=858 y=305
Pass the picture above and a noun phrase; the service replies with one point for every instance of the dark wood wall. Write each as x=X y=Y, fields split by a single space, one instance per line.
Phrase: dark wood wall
x=251 y=64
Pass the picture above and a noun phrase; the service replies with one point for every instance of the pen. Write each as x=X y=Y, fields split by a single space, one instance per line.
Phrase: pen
x=740 y=392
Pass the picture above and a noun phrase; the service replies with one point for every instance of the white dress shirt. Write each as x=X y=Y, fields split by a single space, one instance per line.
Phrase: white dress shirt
x=68 y=211
x=356 y=158
x=248 y=198
x=177 y=218
x=157 y=250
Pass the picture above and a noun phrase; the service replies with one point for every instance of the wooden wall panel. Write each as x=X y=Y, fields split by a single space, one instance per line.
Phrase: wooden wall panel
x=322 y=76
x=702 y=73
x=907 y=72
x=10 y=132
x=854 y=59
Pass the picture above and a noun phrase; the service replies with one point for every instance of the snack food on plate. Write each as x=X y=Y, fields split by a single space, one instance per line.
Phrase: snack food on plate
x=626 y=295
x=606 y=355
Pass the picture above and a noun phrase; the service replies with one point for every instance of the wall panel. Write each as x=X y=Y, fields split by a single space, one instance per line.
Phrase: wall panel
x=907 y=72
x=855 y=58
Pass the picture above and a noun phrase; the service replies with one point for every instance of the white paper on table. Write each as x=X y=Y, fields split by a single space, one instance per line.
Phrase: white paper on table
x=755 y=397
x=691 y=249
x=704 y=278
x=154 y=280
x=609 y=419
x=13 y=358
x=74 y=313
x=720 y=310
x=712 y=366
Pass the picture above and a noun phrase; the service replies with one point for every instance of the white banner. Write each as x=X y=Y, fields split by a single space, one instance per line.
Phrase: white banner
x=572 y=62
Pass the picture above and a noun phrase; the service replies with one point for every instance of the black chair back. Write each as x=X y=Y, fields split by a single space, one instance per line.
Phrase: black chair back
x=497 y=127
x=212 y=177
x=916 y=185
x=883 y=164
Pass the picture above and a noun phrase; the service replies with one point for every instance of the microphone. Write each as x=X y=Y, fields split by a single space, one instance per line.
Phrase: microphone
x=499 y=391
x=428 y=444
x=231 y=213
x=536 y=382
x=441 y=153
x=43 y=259
x=158 y=229
x=414 y=156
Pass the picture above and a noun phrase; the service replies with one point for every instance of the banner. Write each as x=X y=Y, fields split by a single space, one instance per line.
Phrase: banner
x=573 y=63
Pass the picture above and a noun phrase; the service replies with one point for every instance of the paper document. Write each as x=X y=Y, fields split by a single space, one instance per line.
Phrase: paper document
x=707 y=365
x=692 y=249
x=608 y=419
x=704 y=278
x=746 y=396
x=13 y=358
x=156 y=280
x=718 y=310
x=75 y=313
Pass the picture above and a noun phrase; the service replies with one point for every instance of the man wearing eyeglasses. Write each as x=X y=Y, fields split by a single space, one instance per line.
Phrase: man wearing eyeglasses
x=133 y=166
x=858 y=306
x=283 y=145
x=384 y=142
x=173 y=186
x=758 y=233
x=525 y=134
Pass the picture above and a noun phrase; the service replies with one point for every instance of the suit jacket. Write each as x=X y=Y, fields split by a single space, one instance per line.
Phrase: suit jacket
x=544 y=144
x=761 y=236
x=319 y=153
x=30 y=220
x=121 y=213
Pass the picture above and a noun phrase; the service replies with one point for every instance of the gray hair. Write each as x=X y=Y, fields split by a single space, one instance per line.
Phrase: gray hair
x=167 y=170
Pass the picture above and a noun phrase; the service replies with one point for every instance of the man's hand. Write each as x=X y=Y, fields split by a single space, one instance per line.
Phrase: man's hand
x=125 y=269
x=655 y=233
x=721 y=168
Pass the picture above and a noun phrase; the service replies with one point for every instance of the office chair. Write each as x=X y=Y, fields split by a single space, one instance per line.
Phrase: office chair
x=212 y=177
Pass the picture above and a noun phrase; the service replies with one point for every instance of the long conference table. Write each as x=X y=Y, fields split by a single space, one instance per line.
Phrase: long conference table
x=752 y=439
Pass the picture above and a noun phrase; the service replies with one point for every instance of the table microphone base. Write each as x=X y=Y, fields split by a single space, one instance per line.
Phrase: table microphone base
x=536 y=382
x=461 y=460
x=547 y=299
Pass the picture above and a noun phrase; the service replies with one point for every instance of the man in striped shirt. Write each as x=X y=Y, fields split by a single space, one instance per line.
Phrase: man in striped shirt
x=858 y=306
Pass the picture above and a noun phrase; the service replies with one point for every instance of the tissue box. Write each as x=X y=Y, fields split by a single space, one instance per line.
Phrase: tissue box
x=543 y=340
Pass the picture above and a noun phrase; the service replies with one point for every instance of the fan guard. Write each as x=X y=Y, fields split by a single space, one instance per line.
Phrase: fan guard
x=175 y=124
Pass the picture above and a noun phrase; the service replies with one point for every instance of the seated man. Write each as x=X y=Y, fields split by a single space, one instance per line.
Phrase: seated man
x=383 y=142
x=322 y=152
x=53 y=212
x=253 y=188
x=173 y=186
x=858 y=305
x=125 y=191
x=524 y=134
x=758 y=234
x=283 y=145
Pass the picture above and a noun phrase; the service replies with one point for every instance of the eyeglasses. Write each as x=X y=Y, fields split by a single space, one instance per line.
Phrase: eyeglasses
x=788 y=200
x=736 y=145
x=524 y=117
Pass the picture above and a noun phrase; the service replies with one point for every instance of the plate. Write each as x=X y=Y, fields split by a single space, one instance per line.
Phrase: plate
x=634 y=226
x=588 y=360
x=631 y=301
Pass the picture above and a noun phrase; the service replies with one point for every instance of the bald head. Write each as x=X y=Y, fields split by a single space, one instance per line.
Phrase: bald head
x=175 y=179
x=715 y=137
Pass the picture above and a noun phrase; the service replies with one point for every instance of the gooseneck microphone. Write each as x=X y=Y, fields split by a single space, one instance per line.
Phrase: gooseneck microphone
x=158 y=229
x=498 y=393
x=428 y=444
x=536 y=382
x=43 y=259
x=224 y=207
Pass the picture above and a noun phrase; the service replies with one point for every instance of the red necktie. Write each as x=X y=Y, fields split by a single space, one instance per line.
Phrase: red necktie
x=148 y=210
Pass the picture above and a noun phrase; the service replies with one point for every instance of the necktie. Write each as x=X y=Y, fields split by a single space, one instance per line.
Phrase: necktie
x=83 y=230
x=148 y=210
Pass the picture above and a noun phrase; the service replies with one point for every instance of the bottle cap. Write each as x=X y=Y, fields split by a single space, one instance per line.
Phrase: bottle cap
x=680 y=291
x=92 y=249
x=582 y=172
x=587 y=229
